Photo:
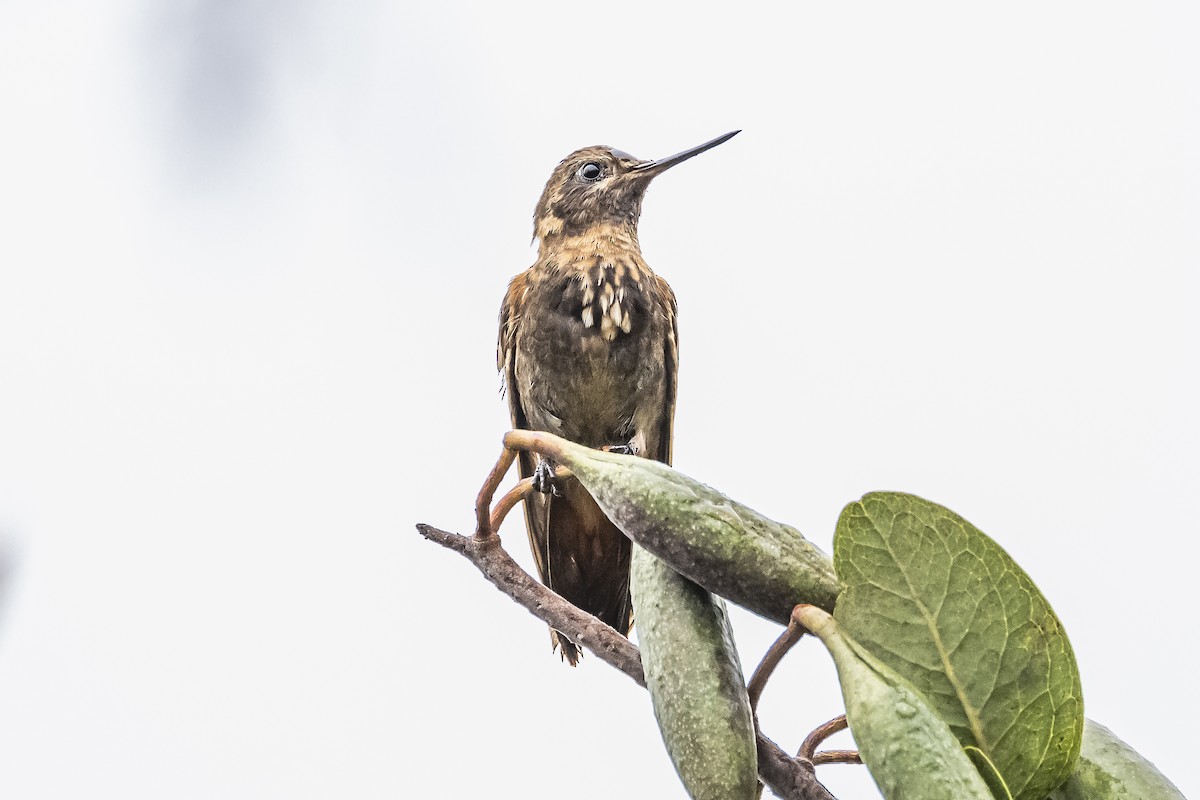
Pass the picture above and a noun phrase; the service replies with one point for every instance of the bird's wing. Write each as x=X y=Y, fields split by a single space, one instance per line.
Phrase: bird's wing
x=671 y=363
x=506 y=349
x=537 y=506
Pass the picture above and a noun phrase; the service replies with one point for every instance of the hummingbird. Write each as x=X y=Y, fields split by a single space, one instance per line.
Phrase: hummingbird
x=589 y=350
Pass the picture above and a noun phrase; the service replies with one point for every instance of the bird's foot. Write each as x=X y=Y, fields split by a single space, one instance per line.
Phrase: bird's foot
x=627 y=449
x=544 y=480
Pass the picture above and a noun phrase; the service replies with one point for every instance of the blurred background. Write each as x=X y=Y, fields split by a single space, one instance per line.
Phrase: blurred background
x=251 y=258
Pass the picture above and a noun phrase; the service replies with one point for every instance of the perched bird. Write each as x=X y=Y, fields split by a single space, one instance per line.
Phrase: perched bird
x=589 y=351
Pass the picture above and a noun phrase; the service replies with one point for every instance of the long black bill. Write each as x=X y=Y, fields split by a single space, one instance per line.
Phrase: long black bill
x=650 y=168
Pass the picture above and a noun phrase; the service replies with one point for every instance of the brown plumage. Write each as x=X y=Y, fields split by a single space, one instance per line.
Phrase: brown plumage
x=589 y=351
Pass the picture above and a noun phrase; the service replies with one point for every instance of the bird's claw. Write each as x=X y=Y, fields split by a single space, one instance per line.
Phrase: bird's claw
x=627 y=449
x=544 y=480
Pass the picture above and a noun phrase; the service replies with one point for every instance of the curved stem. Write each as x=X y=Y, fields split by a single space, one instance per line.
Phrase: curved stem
x=836 y=757
x=523 y=489
x=770 y=660
x=505 y=504
x=483 y=502
x=808 y=750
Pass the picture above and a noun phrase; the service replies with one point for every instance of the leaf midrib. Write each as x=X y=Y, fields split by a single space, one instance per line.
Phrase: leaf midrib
x=973 y=719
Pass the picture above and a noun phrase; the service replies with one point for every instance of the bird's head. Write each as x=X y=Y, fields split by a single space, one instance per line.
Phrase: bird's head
x=601 y=185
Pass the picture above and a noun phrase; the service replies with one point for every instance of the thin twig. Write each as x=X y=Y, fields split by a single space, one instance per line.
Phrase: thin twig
x=836 y=757
x=789 y=778
x=820 y=734
x=513 y=496
x=486 y=553
x=808 y=750
x=758 y=681
x=483 y=503
x=508 y=501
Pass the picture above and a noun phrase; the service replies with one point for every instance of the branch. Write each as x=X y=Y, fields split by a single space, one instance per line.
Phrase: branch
x=580 y=627
x=808 y=750
x=789 y=778
x=758 y=681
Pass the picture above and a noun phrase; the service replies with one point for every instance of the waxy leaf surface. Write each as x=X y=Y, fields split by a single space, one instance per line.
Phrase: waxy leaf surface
x=1109 y=769
x=908 y=748
x=729 y=549
x=695 y=682
x=942 y=604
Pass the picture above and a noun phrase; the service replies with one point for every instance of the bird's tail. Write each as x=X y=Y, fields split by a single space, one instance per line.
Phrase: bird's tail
x=582 y=556
x=568 y=649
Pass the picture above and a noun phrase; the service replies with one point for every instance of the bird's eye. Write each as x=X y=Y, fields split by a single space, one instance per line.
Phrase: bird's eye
x=590 y=172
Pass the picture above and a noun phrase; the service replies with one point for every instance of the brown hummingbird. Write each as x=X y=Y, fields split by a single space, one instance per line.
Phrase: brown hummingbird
x=589 y=351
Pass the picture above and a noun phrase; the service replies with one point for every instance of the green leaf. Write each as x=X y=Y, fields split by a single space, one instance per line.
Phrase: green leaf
x=908 y=748
x=695 y=682
x=729 y=549
x=942 y=604
x=1109 y=769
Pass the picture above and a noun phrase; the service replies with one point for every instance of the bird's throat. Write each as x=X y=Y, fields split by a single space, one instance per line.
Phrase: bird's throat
x=602 y=276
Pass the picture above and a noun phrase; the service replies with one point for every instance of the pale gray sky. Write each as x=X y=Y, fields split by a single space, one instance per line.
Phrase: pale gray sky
x=251 y=256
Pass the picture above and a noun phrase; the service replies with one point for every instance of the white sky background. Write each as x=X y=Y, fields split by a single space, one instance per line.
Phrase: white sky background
x=251 y=257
